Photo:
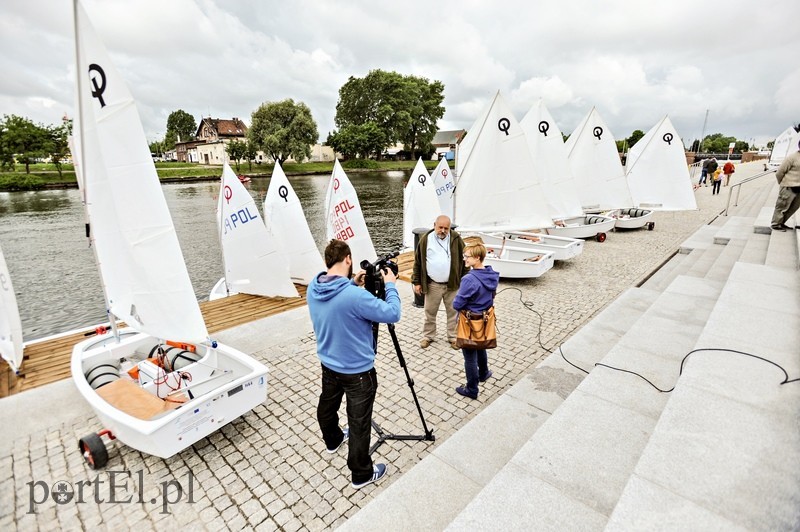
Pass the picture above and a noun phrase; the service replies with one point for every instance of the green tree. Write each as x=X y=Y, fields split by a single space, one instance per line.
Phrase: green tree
x=635 y=137
x=283 y=130
x=182 y=126
x=24 y=140
x=357 y=140
x=404 y=108
x=57 y=145
x=236 y=151
x=250 y=153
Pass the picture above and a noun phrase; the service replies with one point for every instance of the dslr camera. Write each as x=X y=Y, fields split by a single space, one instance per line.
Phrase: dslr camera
x=373 y=281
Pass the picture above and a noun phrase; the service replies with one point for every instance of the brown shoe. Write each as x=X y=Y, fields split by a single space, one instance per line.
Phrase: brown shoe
x=454 y=345
x=424 y=343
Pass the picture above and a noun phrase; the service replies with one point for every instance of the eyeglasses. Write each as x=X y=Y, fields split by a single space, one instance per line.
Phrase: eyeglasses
x=466 y=256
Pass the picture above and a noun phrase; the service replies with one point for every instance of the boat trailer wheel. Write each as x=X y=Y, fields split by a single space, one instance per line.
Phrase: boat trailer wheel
x=94 y=450
x=650 y=226
x=601 y=237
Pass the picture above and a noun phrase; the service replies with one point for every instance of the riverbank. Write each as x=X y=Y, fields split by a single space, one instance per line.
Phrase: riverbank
x=46 y=177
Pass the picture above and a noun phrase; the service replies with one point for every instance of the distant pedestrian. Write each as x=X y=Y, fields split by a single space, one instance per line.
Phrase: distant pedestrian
x=788 y=176
x=716 y=180
x=703 y=173
x=711 y=168
x=728 y=169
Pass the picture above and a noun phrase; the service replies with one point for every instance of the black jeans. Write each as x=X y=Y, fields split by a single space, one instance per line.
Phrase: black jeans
x=715 y=186
x=476 y=366
x=360 y=389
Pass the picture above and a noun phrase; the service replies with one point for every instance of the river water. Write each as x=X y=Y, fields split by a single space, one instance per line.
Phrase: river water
x=53 y=268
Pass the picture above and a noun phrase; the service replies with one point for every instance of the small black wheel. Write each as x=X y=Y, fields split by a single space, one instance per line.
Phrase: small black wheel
x=94 y=451
x=601 y=237
x=650 y=226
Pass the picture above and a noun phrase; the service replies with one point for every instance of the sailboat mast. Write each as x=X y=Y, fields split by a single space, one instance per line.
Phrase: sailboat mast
x=220 y=211
x=80 y=175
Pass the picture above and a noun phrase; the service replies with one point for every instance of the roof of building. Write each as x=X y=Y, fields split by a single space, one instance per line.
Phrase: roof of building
x=224 y=128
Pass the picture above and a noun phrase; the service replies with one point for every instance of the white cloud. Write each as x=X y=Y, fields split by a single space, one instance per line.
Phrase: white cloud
x=635 y=61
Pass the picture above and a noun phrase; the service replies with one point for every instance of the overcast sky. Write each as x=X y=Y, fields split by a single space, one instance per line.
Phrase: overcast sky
x=635 y=61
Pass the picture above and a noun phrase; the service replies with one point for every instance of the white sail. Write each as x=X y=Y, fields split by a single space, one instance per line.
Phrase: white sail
x=445 y=186
x=596 y=166
x=464 y=148
x=254 y=264
x=785 y=144
x=10 y=324
x=550 y=162
x=420 y=203
x=140 y=261
x=345 y=220
x=284 y=217
x=657 y=173
x=496 y=189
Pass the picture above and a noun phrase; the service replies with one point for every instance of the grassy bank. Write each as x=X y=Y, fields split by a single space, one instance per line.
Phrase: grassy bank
x=43 y=176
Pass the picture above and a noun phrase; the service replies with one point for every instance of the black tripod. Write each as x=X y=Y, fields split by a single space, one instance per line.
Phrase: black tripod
x=382 y=436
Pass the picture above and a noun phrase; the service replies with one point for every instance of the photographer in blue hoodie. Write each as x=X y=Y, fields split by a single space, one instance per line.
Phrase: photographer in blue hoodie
x=342 y=314
x=475 y=294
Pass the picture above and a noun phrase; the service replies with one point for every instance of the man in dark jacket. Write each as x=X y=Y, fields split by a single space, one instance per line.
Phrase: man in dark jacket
x=437 y=273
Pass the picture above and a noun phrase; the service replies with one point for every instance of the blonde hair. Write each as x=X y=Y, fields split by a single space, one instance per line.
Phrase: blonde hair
x=477 y=251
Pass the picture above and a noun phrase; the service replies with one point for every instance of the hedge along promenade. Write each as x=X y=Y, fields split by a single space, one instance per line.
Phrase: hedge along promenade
x=46 y=176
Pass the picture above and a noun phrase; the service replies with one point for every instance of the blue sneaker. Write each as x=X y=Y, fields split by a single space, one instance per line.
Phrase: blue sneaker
x=378 y=472
x=486 y=378
x=346 y=433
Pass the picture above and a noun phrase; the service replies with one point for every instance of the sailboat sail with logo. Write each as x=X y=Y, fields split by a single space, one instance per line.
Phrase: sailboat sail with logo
x=159 y=383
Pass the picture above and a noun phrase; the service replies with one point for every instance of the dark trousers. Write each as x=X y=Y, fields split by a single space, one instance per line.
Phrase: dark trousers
x=476 y=366
x=360 y=389
x=715 y=186
x=703 y=175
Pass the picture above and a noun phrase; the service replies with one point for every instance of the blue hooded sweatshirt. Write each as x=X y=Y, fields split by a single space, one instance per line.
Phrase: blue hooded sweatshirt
x=342 y=314
x=477 y=289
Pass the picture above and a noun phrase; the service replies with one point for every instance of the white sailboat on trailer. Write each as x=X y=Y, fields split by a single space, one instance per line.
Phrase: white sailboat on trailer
x=187 y=385
x=599 y=175
x=283 y=215
x=552 y=168
x=496 y=192
x=345 y=219
x=420 y=203
x=657 y=173
x=11 y=348
x=253 y=261
x=784 y=144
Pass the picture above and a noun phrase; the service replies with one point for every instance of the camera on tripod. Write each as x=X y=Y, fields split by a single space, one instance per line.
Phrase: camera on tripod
x=373 y=281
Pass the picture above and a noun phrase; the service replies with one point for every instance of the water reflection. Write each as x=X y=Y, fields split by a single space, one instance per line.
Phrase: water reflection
x=53 y=268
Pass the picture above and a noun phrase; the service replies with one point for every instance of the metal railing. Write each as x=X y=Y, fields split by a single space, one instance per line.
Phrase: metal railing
x=738 y=187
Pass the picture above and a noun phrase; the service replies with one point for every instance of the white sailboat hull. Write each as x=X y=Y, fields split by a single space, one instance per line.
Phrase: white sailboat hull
x=562 y=248
x=517 y=263
x=236 y=385
x=633 y=218
x=219 y=291
x=590 y=226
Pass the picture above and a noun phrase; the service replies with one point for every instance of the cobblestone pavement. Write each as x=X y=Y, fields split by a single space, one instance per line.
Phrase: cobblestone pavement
x=268 y=469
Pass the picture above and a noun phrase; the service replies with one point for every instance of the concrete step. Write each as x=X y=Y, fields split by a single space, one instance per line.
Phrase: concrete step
x=448 y=478
x=681 y=268
x=703 y=238
x=755 y=249
x=722 y=267
x=724 y=453
x=782 y=251
x=577 y=463
x=663 y=276
x=706 y=260
x=734 y=227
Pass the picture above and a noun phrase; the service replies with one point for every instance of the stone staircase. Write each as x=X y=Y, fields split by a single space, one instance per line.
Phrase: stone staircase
x=711 y=442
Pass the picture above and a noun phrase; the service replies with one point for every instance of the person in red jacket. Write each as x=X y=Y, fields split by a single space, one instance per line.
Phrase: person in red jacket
x=728 y=170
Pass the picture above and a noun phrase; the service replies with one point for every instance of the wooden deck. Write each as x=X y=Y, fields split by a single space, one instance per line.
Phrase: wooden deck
x=48 y=360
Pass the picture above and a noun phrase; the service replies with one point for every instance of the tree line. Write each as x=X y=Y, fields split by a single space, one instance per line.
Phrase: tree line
x=373 y=113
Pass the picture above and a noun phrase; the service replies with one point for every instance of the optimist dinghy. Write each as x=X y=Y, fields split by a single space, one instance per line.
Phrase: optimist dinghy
x=160 y=384
x=599 y=175
x=518 y=263
x=587 y=226
x=496 y=189
x=562 y=248
x=253 y=261
x=11 y=348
